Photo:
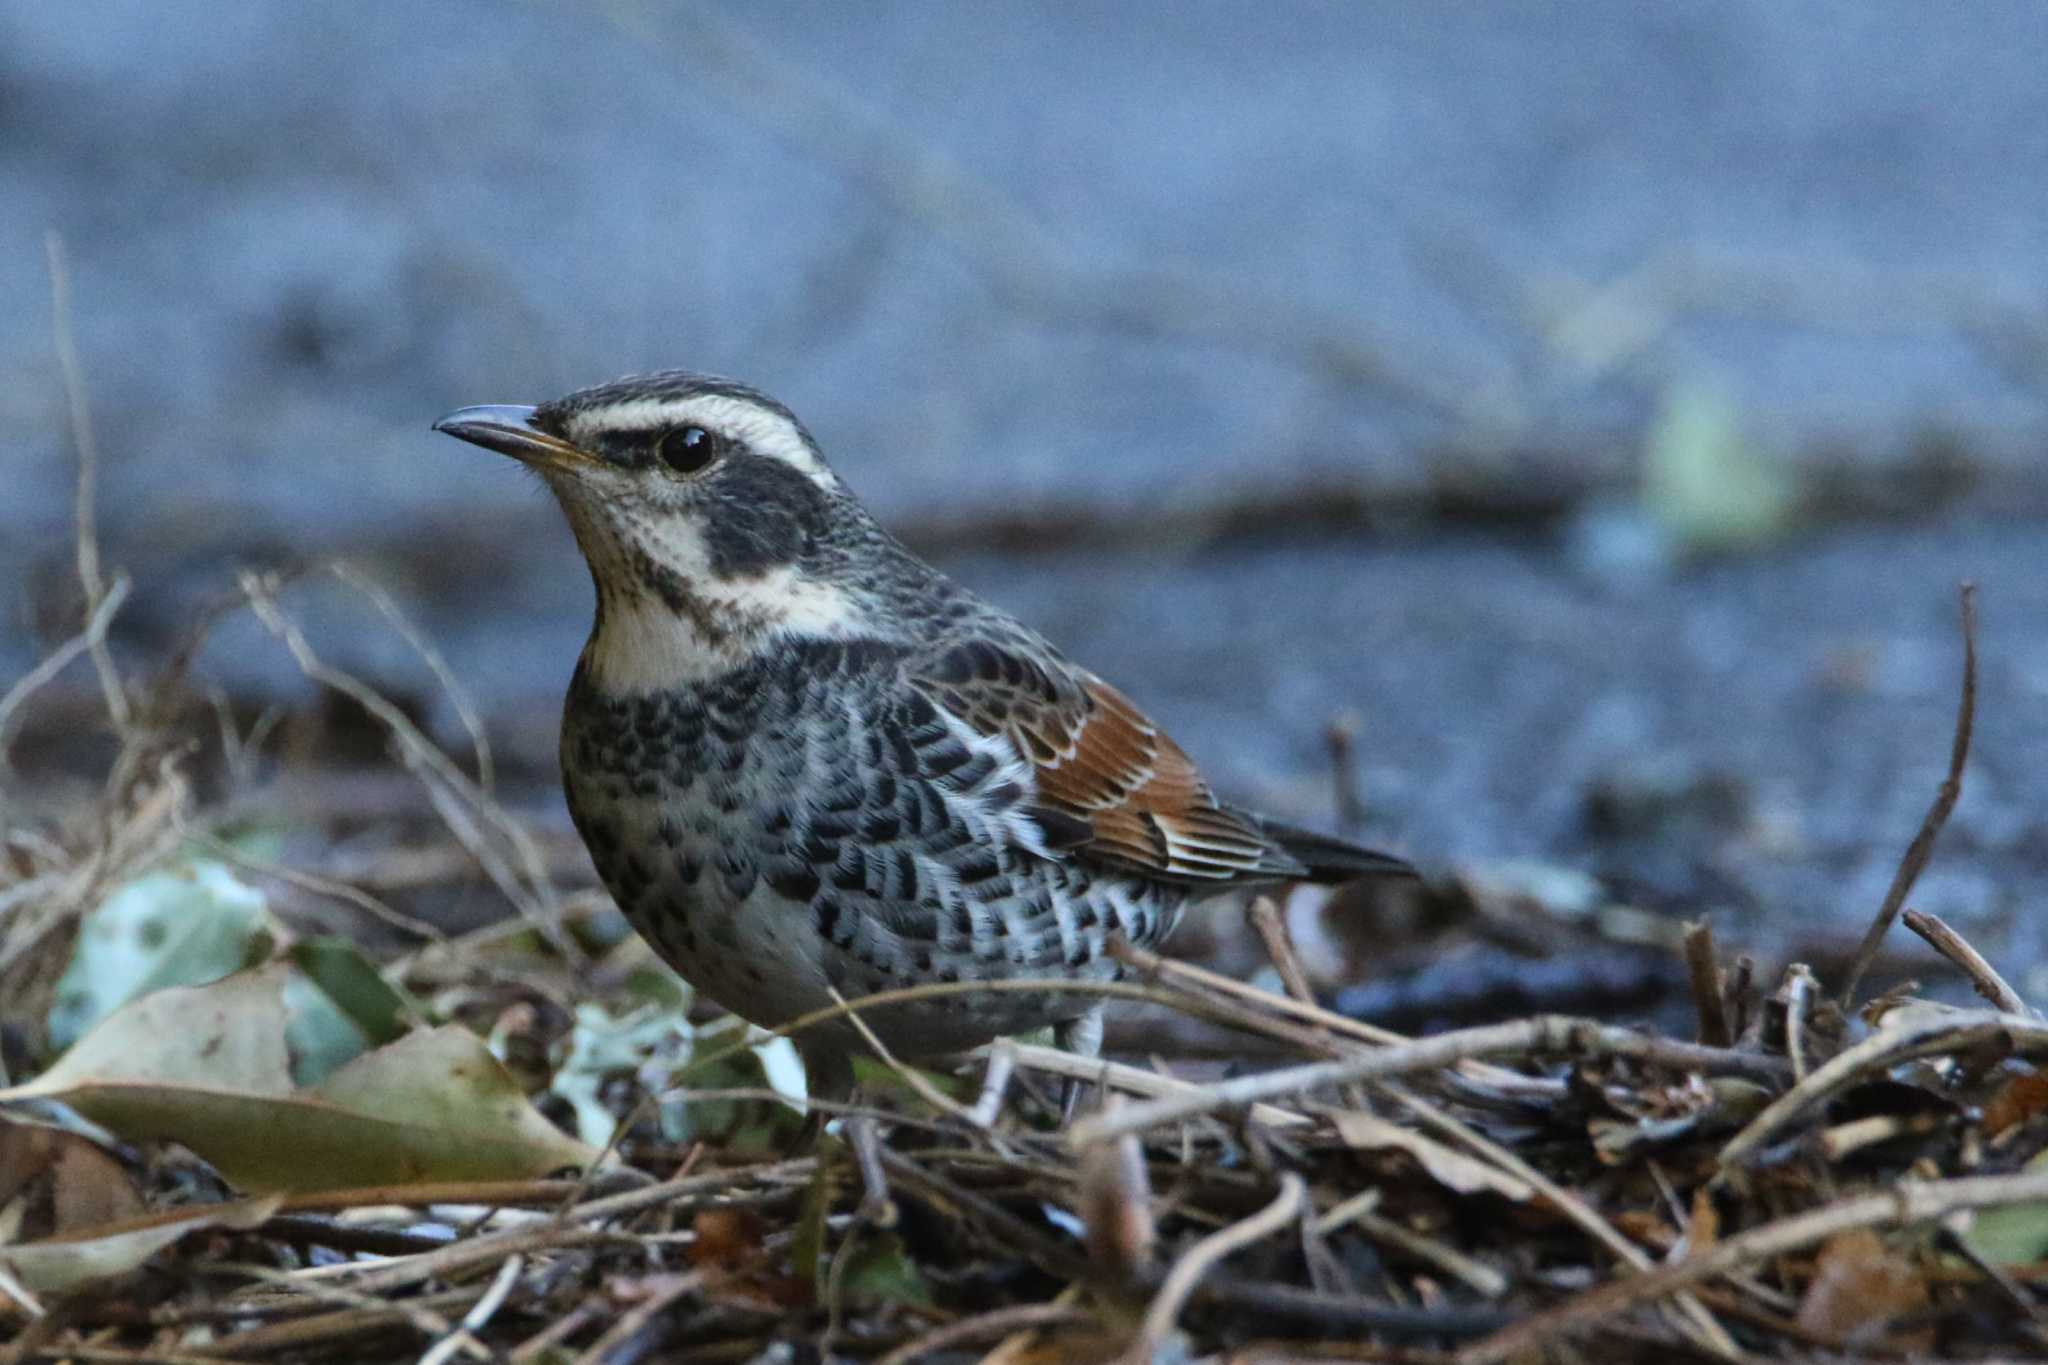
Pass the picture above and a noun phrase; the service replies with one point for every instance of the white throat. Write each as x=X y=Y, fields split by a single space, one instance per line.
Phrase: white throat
x=643 y=643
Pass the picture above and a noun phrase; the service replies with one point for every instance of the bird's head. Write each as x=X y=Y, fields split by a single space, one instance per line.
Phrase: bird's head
x=708 y=516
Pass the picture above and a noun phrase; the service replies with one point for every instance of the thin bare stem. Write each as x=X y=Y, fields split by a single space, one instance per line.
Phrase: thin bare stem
x=1197 y=1261
x=1922 y=847
x=1702 y=1325
x=468 y=811
x=88 y=473
x=1556 y=1034
x=1709 y=1000
x=1799 y=986
x=1972 y=964
x=1264 y=913
x=464 y=1338
x=1908 y=1203
x=1167 y=969
x=1948 y=1032
x=636 y=1319
x=1134 y=1080
x=1358 y=1211
x=39 y=677
x=1000 y=1322
x=910 y=1076
x=458 y=696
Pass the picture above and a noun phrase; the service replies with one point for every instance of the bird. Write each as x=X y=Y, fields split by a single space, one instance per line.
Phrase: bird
x=807 y=764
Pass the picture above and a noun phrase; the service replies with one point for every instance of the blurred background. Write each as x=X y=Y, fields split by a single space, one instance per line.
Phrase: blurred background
x=1586 y=412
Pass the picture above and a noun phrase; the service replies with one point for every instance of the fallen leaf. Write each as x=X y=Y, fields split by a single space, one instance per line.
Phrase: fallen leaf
x=1705 y=1229
x=2012 y=1234
x=207 y=1066
x=443 y=1108
x=1645 y=1228
x=1704 y=482
x=2018 y=1100
x=59 y=1264
x=726 y=1238
x=1859 y=1288
x=728 y=1249
x=53 y=1181
x=356 y=987
x=338 y=1007
x=179 y=927
x=1452 y=1169
x=880 y=1271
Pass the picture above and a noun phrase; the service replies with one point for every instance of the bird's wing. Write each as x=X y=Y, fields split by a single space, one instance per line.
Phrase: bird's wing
x=1109 y=783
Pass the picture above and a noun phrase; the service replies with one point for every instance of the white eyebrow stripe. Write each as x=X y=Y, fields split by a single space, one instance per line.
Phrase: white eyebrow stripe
x=765 y=431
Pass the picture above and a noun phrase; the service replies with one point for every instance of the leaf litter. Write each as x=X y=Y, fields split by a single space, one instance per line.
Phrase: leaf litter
x=522 y=1142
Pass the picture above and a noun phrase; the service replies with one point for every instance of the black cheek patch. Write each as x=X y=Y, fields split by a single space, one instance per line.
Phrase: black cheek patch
x=763 y=514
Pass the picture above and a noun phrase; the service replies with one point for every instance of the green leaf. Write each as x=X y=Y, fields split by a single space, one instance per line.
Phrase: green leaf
x=1703 y=481
x=337 y=1008
x=319 y=1038
x=178 y=927
x=881 y=1272
x=2016 y=1234
x=356 y=987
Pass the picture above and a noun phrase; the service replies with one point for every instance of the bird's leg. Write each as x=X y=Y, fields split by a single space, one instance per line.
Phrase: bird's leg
x=1081 y=1036
x=876 y=1209
x=828 y=1076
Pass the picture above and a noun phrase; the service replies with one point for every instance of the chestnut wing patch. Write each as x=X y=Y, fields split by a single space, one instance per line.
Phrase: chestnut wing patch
x=1111 y=785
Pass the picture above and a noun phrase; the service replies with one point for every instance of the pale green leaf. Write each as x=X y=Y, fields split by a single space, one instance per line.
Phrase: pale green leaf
x=178 y=927
x=207 y=1067
x=1703 y=481
x=61 y=1264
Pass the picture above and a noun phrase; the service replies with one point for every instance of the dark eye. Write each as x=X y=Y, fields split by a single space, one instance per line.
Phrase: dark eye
x=688 y=450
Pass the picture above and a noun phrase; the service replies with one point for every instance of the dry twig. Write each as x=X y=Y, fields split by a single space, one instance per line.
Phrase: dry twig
x=1909 y=1203
x=1969 y=961
x=1709 y=998
x=1199 y=1258
x=1554 y=1034
x=87 y=446
x=1922 y=847
x=1948 y=1032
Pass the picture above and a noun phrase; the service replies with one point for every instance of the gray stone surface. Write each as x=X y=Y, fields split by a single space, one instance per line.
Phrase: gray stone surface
x=1081 y=254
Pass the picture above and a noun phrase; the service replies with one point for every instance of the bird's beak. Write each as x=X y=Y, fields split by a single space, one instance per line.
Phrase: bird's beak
x=508 y=429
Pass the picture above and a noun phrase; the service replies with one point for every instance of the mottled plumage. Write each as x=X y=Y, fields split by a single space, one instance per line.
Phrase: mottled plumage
x=804 y=761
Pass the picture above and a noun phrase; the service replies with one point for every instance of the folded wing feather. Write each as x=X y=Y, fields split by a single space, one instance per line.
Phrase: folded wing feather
x=1101 y=763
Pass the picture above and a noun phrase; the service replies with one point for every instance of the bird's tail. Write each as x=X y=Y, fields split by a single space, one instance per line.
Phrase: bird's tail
x=1330 y=859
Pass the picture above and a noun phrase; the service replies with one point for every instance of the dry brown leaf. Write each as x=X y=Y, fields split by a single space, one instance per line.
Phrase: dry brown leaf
x=1452 y=1169
x=730 y=1242
x=2018 y=1100
x=726 y=1238
x=1706 y=1222
x=1646 y=1229
x=53 y=1181
x=1859 y=1288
